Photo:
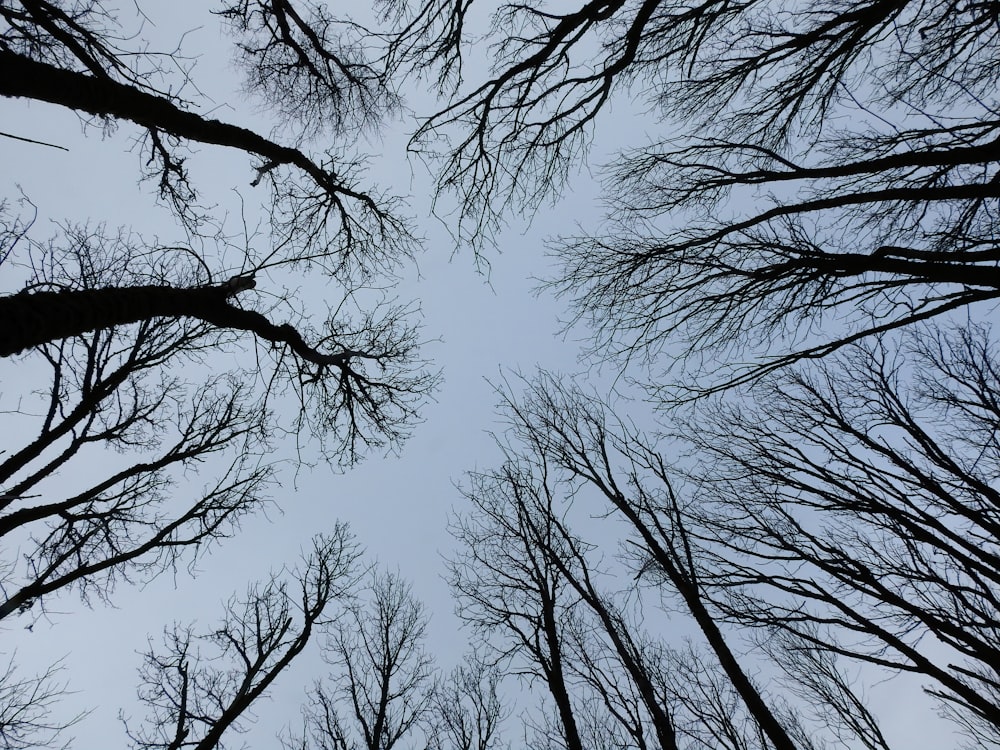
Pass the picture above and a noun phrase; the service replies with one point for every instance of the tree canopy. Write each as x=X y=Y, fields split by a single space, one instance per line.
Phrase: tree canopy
x=831 y=162
x=787 y=496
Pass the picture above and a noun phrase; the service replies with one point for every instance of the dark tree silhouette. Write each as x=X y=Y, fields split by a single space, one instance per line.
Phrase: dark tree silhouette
x=290 y=61
x=199 y=685
x=855 y=514
x=825 y=180
x=116 y=320
x=110 y=390
x=830 y=163
x=840 y=519
x=781 y=563
x=828 y=181
x=82 y=59
x=468 y=708
x=87 y=59
x=380 y=692
x=359 y=383
x=520 y=500
x=564 y=428
x=161 y=374
x=829 y=186
x=26 y=719
x=515 y=598
x=118 y=388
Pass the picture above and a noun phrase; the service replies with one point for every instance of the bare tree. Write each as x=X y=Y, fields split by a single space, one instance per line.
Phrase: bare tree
x=578 y=437
x=852 y=509
x=115 y=320
x=381 y=690
x=836 y=162
x=121 y=389
x=139 y=450
x=468 y=707
x=514 y=596
x=111 y=391
x=89 y=60
x=25 y=703
x=728 y=678
x=310 y=66
x=199 y=685
x=840 y=520
x=830 y=178
x=602 y=651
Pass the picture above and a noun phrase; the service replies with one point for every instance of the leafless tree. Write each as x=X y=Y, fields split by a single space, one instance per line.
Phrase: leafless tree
x=199 y=685
x=829 y=184
x=115 y=320
x=829 y=163
x=380 y=692
x=742 y=671
x=468 y=709
x=138 y=448
x=89 y=59
x=25 y=703
x=840 y=520
x=125 y=389
x=579 y=437
x=109 y=396
x=851 y=510
x=601 y=651
x=514 y=597
x=311 y=66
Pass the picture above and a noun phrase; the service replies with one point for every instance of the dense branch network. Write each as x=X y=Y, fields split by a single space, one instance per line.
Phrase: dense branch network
x=843 y=518
x=762 y=216
x=148 y=434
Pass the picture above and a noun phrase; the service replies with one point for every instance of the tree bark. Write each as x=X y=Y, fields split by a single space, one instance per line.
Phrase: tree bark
x=35 y=318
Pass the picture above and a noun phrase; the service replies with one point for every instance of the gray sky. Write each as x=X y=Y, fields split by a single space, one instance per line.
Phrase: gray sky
x=397 y=506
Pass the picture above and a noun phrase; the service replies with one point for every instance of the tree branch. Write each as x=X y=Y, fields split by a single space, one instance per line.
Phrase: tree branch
x=24 y=77
x=36 y=318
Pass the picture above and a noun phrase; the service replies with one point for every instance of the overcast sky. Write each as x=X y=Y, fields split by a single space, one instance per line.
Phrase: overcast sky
x=397 y=506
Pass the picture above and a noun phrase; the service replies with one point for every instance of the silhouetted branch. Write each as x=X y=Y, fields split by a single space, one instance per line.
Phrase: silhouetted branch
x=199 y=686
